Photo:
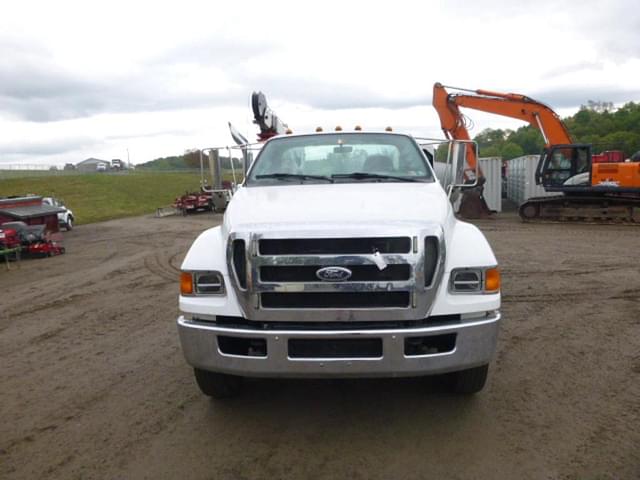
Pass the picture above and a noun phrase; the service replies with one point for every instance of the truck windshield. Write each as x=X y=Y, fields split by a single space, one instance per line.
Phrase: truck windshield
x=340 y=158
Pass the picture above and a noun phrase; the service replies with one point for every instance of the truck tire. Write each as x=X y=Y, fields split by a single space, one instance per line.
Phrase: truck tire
x=470 y=381
x=218 y=385
x=69 y=224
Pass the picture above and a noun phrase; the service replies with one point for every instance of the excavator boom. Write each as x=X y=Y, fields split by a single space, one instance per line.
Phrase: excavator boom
x=513 y=105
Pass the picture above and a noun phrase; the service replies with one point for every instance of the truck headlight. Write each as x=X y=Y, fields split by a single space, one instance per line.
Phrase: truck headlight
x=475 y=280
x=201 y=283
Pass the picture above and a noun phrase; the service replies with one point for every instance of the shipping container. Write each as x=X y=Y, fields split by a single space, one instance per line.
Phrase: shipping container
x=521 y=179
x=492 y=170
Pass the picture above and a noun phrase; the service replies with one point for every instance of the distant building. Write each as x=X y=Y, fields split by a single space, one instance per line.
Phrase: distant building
x=91 y=165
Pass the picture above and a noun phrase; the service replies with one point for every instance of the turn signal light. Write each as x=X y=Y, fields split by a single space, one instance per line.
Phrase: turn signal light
x=492 y=280
x=186 y=283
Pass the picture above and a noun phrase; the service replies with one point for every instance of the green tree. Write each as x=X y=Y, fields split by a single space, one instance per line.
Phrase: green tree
x=597 y=123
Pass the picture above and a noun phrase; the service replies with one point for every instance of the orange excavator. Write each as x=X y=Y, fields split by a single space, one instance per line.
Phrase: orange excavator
x=588 y=190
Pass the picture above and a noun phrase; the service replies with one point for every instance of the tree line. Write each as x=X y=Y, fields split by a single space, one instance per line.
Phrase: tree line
x=597 y=123
x=190 y=159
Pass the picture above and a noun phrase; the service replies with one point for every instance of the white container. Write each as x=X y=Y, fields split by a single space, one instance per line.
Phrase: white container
x=521 y=179
x=492 y=169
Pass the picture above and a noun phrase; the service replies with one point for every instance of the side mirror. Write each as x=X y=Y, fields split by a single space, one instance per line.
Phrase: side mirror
x=461 y=175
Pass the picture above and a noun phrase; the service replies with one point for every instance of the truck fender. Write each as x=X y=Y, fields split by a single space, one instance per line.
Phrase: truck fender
x=207 y=252
x=468 y=247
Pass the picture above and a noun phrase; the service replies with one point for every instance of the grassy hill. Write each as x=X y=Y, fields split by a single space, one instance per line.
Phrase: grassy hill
x=98 y=197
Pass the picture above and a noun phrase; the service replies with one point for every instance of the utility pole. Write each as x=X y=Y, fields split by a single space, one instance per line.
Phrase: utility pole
x=128 y=161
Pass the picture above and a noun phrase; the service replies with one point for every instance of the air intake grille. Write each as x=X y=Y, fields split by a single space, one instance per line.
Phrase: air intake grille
x=336 y=300
x=360 y=273
x=328 y=246
x=335 y=348
x=430 y=259
x=240 y=262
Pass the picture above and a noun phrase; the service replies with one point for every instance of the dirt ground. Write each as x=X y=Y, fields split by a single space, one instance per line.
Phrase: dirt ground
x=93 y=383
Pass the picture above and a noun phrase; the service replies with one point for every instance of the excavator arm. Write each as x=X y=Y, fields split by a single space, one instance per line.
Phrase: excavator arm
x=513 y=105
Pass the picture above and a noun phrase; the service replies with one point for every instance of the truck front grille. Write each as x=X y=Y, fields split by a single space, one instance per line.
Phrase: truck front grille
x=300 y=277
x=325 y=300
x=359 y=273
x=328 y=246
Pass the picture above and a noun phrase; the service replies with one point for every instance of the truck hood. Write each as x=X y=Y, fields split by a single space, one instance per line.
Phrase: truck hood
x=341 y=203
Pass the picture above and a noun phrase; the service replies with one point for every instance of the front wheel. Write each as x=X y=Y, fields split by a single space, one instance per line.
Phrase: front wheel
x=218 y=385
x=69 y=224
x=470 y=381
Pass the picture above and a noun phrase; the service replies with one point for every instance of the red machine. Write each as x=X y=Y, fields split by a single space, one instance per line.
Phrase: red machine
x=8 y=238
x=34 y=240
x=609 y=156
x=192 y=202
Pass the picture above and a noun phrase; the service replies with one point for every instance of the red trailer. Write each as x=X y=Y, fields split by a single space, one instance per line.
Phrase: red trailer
x=30 y=210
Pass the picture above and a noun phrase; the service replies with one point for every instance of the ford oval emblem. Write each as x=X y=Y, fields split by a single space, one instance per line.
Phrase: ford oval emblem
x=334 y=274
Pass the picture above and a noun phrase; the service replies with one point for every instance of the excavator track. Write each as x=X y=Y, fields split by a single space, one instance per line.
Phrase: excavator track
x=582 y=209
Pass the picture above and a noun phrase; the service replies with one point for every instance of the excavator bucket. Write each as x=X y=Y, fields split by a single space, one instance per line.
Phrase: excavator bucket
x=473 y=205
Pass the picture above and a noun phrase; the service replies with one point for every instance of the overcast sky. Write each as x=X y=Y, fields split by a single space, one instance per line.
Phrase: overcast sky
x=81 y=79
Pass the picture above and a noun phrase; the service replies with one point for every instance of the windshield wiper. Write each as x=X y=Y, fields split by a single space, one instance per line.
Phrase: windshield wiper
x=300 y=176
x=366 y=176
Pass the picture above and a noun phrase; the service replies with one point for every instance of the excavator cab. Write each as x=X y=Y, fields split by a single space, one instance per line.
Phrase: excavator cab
x=564 y=168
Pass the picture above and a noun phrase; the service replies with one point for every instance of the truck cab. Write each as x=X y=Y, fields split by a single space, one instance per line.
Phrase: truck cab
x=340 y=256
x=66 y=218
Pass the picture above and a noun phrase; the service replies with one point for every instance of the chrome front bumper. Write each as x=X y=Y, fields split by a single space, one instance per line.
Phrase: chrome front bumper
x=475 y=344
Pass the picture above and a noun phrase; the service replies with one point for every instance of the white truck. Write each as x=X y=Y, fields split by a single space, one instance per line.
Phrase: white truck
x=66 y=218
x=340 y=256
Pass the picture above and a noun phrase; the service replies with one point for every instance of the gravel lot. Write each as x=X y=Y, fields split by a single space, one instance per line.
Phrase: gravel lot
x=93 y=383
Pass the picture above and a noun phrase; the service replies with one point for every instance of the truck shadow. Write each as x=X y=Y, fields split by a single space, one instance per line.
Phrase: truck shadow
x=298 y=397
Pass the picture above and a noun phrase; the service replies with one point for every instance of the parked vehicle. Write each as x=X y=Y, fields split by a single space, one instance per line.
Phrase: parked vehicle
x=340 y=256
x=34 y=239
x=66 y=218
x=117 y=164
x=101 y=167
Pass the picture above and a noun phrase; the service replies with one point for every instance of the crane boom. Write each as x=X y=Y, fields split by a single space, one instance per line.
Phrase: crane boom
x=269 y=123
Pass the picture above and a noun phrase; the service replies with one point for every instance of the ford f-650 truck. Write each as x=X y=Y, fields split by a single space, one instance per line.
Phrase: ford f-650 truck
x=340 y=256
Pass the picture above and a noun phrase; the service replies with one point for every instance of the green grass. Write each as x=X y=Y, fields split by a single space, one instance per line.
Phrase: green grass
x=95 y=197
